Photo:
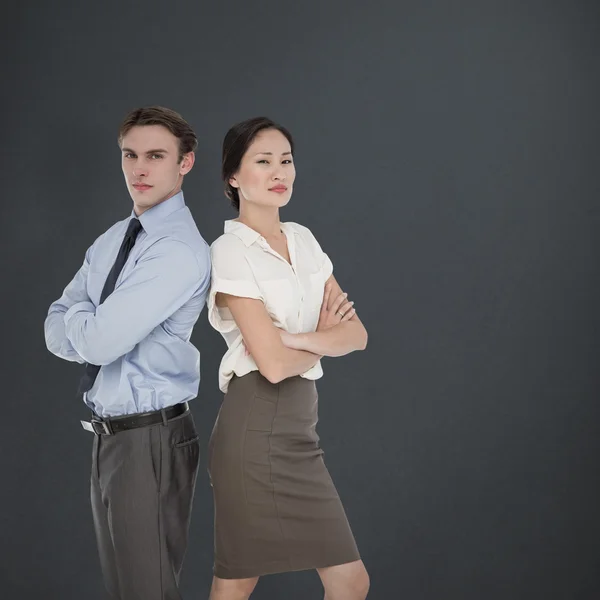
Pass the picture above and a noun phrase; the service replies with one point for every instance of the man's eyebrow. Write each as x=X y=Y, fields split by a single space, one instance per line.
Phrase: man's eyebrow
x=271 y=154
x=147 y=152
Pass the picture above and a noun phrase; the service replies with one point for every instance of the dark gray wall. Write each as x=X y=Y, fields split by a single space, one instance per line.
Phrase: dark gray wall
x=447 y=157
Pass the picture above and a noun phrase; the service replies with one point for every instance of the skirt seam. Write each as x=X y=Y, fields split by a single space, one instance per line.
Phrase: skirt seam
x=243 y=454
x=271 y=477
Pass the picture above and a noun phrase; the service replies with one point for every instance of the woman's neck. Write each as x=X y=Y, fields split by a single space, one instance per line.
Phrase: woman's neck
x=263 y=219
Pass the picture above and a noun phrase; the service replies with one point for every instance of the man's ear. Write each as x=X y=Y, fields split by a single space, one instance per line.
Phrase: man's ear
x=187 y=162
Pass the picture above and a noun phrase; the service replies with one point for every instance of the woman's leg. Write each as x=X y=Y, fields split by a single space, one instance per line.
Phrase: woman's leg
x=345 y=582
x=232 y=589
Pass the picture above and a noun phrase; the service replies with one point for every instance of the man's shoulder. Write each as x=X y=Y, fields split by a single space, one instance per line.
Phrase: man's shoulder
x=181 y=245
x=113 y=232
x=182 y=229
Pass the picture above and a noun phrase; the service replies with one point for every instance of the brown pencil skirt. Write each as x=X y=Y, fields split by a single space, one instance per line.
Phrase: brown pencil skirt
x=276 y=507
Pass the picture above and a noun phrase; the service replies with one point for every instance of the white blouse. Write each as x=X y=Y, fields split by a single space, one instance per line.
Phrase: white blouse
x=243 y=264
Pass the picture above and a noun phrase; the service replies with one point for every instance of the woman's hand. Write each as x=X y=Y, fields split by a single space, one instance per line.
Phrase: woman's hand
x=289 y=340
x=334 y=311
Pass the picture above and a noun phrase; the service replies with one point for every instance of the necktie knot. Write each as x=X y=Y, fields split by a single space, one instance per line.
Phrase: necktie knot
x=133 y=228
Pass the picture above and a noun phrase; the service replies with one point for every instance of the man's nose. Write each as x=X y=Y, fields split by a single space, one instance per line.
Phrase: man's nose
x=140 y=171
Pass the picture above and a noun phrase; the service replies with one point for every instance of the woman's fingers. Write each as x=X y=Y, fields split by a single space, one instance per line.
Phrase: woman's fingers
x=348 y=315
x=338 y=302
x=345 y=307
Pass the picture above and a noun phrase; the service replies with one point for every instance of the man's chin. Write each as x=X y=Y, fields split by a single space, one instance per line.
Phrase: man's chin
x=140 y=199
x=143 y=204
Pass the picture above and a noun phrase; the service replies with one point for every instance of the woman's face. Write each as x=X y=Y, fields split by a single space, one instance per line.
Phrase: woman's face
x=266 y=174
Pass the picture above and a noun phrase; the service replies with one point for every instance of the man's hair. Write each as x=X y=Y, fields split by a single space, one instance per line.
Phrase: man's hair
x=159 y=115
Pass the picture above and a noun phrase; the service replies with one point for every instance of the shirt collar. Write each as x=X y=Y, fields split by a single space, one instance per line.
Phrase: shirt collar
x=247 y=234
x=153 y=218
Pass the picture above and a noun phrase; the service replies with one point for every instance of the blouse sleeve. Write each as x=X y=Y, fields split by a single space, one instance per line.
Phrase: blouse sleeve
x=326 y=265
x=322 y=259
x=231 y=274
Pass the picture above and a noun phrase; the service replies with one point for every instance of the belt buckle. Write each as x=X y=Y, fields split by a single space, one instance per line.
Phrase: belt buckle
x=103 y=428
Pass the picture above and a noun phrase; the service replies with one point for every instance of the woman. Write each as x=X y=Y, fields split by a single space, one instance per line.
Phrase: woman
x=275 y=301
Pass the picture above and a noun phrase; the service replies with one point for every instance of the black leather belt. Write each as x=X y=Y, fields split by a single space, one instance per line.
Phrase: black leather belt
x=116 y=424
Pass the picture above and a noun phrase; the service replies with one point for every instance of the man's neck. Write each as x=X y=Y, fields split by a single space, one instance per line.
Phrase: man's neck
x=140 y=210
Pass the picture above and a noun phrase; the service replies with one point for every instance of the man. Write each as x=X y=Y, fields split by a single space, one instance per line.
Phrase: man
x=128 y=314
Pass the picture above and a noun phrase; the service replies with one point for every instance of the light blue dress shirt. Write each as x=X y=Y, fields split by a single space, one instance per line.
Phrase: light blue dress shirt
x=140 y=335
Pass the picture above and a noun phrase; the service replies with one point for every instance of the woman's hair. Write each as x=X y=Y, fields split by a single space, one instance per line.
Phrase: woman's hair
x=159 y=115
x=236 y=142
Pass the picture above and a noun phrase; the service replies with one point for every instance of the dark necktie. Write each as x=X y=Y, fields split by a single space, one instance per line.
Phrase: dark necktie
x=91 y=371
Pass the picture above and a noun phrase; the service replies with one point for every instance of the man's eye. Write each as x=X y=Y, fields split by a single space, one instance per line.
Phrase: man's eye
x=129 y=155
x=154 y=156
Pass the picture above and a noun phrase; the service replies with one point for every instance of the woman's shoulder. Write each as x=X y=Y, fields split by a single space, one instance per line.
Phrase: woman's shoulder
x=227 y=242
x=301 y=230
x=305 y=233
x=228 y=253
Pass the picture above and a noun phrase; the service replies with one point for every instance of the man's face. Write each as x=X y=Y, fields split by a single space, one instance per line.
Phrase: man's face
x=150 y=162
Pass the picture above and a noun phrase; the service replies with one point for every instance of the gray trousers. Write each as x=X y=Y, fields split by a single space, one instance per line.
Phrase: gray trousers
x=142 y=488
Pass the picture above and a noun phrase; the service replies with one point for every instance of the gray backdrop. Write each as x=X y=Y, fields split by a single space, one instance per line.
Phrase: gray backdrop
x=447 y=157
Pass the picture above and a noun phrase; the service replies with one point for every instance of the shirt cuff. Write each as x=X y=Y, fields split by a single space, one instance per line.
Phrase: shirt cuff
x=87 y=307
